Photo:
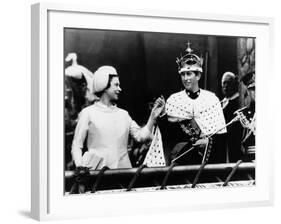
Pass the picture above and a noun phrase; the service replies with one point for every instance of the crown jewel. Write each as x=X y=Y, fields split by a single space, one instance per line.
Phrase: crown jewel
x=190 y=61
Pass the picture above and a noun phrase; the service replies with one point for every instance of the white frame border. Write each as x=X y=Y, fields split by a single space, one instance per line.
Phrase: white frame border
x=40 y=104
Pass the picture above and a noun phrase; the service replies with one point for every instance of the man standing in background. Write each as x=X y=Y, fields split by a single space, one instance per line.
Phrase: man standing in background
x=230 y=104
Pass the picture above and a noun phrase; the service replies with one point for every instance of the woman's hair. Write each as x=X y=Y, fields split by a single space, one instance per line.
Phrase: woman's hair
x=110 y=77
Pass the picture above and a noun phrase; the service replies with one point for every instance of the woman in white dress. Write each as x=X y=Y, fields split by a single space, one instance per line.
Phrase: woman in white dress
x=107 y=126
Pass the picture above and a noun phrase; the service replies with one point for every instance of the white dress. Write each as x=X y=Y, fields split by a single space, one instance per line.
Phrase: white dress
x=108 y=130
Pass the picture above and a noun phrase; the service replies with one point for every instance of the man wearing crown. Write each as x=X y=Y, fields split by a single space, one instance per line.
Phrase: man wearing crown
x=198 y=113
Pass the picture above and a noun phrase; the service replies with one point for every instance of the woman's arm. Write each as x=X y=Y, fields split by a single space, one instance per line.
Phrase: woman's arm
x=79 y=138
x=157 y=109
x=141 y=134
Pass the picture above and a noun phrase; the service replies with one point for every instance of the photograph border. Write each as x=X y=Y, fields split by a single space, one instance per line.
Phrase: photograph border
x=40 y=157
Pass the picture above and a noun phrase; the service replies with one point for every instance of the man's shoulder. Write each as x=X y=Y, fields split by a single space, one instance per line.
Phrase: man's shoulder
x=208 y=94
x=176 y=95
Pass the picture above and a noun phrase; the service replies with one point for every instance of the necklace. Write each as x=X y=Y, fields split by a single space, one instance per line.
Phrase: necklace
x=193 y=95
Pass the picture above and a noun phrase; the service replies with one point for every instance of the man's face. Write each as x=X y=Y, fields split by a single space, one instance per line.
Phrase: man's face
x=228 y=86
x=114 y=90
x=190 y=80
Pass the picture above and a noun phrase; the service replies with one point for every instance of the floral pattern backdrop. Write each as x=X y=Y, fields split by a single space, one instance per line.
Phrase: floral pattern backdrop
x=246 y=63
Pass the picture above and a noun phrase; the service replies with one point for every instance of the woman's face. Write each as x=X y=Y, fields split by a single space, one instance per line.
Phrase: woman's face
x=114 y=90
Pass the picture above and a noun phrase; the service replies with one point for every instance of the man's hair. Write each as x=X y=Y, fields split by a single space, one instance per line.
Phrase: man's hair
x=110 y=77
x=195 y=72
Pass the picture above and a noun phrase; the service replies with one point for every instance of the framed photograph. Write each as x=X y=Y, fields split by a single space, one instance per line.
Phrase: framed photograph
x=132 y=110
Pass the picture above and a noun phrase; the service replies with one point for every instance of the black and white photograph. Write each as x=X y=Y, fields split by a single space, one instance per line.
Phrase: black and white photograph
x=157 y=111
x=151 y=112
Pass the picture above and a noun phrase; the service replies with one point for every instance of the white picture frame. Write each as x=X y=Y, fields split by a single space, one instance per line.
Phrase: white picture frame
x=47 y=201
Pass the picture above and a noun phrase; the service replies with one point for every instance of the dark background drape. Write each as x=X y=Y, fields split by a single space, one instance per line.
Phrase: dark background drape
x=146 y=61
x=146 y=64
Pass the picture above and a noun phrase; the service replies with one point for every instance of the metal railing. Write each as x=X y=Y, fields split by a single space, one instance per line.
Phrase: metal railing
x=157 y=177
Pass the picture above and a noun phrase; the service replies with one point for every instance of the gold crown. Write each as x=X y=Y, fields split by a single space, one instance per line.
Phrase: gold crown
x=190 y=61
